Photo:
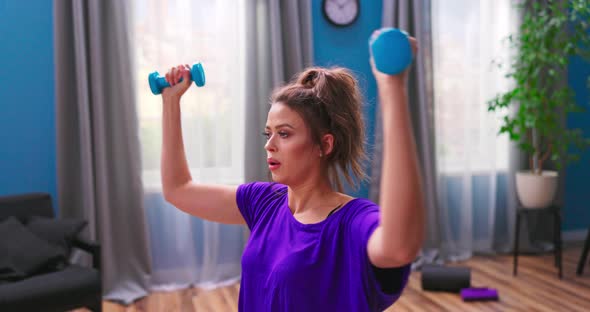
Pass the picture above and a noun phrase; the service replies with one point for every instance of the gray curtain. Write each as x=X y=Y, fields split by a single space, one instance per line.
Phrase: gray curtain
x=98 y=148
x=279 y=33
x=414 y=18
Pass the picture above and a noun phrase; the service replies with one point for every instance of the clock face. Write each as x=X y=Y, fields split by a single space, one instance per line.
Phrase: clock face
x=341 y=12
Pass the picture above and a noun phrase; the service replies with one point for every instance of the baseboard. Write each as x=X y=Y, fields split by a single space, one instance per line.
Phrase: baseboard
x=574 y=235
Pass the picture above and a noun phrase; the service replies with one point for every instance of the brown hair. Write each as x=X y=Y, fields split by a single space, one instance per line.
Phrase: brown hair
x=329 y=101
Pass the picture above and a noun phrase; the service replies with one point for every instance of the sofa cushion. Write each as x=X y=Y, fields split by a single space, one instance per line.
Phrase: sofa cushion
x=22 y=253
x=65 y=288
x=59 y=232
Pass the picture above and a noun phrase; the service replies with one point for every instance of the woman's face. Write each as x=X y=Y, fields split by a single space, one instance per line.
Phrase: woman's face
x=292 y=157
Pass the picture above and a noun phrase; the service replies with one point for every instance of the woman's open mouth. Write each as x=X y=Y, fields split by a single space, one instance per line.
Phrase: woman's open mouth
x=273 y=164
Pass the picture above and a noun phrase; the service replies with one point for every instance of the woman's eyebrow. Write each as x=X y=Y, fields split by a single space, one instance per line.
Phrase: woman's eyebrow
x=281 y=125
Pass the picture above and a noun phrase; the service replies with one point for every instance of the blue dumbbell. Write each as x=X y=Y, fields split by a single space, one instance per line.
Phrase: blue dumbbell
x=157 y=82
x=391 y=50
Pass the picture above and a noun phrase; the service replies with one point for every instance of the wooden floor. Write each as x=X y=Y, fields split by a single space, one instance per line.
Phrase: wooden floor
x=536 y=288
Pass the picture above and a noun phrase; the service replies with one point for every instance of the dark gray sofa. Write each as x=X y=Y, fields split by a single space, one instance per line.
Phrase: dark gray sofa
x=68 y=287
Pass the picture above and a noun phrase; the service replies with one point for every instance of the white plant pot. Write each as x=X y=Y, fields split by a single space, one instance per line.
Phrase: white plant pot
x=536 y=191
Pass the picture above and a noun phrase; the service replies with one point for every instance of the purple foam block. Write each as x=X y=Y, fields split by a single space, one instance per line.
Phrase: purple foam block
x=479 y=294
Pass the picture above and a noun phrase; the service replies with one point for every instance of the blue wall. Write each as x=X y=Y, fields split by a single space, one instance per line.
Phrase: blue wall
x=577 y=190
x=27 y=118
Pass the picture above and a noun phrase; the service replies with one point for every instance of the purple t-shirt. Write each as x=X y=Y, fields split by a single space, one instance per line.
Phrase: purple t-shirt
x=291 y=266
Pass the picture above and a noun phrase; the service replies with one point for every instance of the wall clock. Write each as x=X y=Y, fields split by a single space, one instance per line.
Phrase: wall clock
x=341 y=12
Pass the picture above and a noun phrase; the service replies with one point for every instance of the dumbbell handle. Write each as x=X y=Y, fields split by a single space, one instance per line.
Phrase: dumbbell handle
x=158 y=83
x=391 y=50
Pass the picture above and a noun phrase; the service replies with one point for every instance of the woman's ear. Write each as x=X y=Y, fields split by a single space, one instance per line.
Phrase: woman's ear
x=327 y=144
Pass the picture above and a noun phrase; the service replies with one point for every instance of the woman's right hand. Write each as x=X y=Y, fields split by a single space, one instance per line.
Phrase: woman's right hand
x=177 y=88
x=384 y=80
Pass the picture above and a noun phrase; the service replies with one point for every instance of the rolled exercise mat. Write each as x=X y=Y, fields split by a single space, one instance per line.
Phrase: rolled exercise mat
x=441 y=278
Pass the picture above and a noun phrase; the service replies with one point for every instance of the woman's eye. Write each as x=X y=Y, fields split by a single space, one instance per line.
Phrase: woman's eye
x=267 y=135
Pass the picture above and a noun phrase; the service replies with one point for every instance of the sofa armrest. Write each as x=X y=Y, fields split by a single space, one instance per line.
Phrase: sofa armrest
x=90 y=246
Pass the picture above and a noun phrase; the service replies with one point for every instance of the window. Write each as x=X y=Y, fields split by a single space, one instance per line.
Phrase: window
x=168 y=33
x=467 y=36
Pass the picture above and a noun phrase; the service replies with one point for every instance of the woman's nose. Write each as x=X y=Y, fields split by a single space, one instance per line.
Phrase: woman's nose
x=269 y=146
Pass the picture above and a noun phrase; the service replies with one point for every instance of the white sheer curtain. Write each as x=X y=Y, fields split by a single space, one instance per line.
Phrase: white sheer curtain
x=186 y=250
x=472 y=160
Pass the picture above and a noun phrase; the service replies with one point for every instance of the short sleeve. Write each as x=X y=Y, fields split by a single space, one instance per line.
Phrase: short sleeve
x=251 y=198
x=387 y=284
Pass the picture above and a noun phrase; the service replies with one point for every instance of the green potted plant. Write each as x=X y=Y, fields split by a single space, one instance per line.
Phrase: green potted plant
x=549 y=35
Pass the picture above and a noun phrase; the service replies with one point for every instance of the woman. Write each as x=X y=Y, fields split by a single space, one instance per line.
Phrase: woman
x=313 y=248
